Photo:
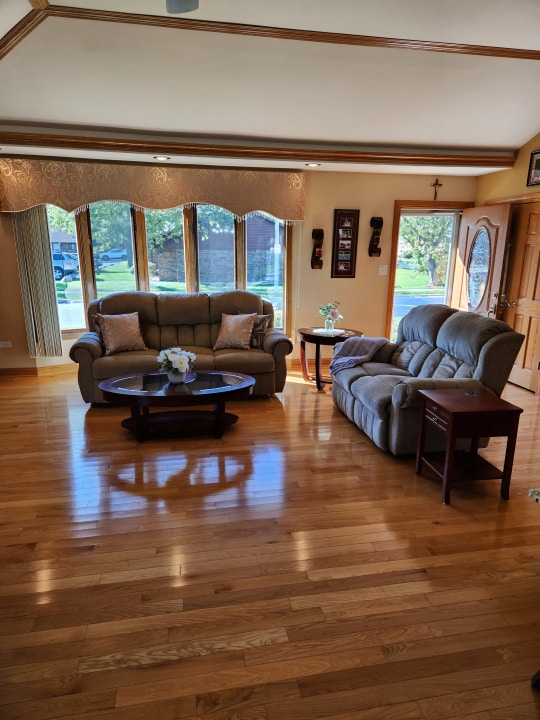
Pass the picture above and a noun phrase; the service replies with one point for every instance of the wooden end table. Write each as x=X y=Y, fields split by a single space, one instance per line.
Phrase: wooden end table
x=461 y=414
x=318 y=337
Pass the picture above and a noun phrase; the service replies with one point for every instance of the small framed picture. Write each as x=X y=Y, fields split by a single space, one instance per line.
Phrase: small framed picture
x=534 y=169
x=345 y=242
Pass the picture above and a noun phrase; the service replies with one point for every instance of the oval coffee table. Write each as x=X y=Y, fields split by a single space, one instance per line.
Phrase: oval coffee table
x=142 y=391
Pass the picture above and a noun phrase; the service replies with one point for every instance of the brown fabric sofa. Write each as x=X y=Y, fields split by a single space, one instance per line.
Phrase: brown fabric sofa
x=192 y=322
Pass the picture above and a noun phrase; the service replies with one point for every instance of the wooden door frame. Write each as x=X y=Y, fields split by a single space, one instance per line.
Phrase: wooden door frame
x=421 y=206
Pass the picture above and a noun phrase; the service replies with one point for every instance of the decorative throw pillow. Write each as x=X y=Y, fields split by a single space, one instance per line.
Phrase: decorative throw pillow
x=120 y=333
x=260 y=326
x=235 y=331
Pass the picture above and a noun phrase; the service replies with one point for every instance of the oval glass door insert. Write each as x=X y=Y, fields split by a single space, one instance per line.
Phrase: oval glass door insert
x=478 y=272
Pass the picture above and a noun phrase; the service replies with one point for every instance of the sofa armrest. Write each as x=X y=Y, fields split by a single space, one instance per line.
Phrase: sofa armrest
x=276 y=343
x=87 y=348
x=405 y=393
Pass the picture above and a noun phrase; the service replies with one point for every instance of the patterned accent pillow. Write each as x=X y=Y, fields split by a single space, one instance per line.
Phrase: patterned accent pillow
x=260 y=326
x=235 y=331
x=120 y=333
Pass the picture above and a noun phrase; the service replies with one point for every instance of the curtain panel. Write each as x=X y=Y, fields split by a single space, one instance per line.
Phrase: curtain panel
x=69 y=184
x=37 y=283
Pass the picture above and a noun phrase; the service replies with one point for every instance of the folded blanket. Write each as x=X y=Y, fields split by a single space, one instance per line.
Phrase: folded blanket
x=355 y=351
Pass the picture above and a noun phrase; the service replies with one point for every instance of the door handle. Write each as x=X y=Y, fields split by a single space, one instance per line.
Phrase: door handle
x=505 y=303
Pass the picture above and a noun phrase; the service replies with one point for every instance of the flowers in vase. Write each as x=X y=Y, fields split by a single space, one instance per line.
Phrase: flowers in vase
x=330 y=311
x=176 y=360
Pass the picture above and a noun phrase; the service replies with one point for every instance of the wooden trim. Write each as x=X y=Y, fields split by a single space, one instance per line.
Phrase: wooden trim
x=240 y=254
x=39 y=4
x=191 y=254
x=19 y=31
x=290 y=33
x=86 y=256
x=399 y=206
x=516 y=200
x=140 y=254
x=153 y=146
x=288 y=279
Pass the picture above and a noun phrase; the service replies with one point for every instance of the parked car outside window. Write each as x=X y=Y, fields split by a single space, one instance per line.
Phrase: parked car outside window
x=64 y=265
x=114 y=254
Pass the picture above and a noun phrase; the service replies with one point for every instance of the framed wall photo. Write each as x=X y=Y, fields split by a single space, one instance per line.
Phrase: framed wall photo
x=345 y=242
x=533 y=177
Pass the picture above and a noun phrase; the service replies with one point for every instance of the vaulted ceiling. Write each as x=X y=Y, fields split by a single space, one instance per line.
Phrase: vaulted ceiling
x=356 y=85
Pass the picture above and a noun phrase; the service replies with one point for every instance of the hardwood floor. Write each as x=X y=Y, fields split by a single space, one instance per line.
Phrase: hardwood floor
x=289 y=571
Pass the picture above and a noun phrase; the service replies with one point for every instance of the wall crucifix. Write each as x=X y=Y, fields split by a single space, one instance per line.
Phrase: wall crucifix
x=436 y=185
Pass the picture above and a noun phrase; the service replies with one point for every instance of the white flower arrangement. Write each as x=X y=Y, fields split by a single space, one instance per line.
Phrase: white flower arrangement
x=176 y=360
x=330 y=311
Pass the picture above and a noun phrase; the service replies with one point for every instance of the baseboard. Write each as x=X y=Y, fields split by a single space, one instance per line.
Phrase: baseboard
x=47 y=371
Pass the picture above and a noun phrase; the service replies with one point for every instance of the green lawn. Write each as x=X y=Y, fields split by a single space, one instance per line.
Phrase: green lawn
x=407 y=281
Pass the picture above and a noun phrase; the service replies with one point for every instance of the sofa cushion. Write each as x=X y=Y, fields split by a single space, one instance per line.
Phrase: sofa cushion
x=423 y=323
x=410 y=356
x=120 y=333
x=235 y=331
x=375 y=393
x=464 y=335
x=260 y=326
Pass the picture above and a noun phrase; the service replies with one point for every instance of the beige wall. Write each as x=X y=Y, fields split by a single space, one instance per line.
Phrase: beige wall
x=509 y=183
x=363 y=298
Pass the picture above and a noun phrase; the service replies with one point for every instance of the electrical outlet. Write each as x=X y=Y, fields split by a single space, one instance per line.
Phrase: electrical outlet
x=5 y=344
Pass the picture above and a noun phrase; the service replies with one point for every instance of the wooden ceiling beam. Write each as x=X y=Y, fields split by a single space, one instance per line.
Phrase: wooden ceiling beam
x=152 y=146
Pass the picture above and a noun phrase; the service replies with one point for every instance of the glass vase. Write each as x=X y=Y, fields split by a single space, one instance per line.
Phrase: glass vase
x=329 y=325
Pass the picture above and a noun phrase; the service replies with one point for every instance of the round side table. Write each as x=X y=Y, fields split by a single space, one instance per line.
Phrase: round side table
x=320 y=336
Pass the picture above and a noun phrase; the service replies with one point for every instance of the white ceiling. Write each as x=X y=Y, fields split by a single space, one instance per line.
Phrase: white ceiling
x=122 y=80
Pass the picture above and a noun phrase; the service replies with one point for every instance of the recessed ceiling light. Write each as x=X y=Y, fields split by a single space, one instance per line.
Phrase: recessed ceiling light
x=313 y=164
x=161 y=157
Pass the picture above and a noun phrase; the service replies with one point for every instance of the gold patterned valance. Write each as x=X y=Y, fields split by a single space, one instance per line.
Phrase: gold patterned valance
x=70 y=184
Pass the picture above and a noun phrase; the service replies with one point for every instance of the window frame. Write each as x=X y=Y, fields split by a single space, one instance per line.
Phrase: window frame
x=140 y=259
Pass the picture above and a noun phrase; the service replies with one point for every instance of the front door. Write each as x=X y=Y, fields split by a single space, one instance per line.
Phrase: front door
x=481 y=260
x=522 y=309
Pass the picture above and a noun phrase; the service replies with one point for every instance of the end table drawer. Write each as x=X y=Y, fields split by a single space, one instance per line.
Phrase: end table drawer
x=437 y=416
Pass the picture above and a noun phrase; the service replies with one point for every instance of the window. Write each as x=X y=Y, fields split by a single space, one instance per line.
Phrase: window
x=165 y=250
x=111 y=230
x=216 y=249
x=202 y=248
x=65 y=260
x=265 y=257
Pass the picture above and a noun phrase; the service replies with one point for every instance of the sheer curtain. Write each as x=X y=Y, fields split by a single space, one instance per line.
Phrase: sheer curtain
x=37 y=282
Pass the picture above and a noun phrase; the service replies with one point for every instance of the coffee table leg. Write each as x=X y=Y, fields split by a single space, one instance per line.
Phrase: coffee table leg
x=139 y=423
x=219 y=426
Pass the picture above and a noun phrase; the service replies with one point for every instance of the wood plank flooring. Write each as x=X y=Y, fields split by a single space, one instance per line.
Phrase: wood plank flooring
x=289 y=571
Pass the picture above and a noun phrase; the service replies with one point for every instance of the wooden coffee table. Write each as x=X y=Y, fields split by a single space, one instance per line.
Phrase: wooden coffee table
x=475 y=415
x=142 y=391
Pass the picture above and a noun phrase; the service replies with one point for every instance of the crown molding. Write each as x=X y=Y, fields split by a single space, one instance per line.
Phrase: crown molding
x=27 y=24
x=19 y=31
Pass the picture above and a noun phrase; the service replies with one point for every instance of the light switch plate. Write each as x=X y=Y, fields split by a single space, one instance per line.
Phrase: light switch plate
x=383 y=269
